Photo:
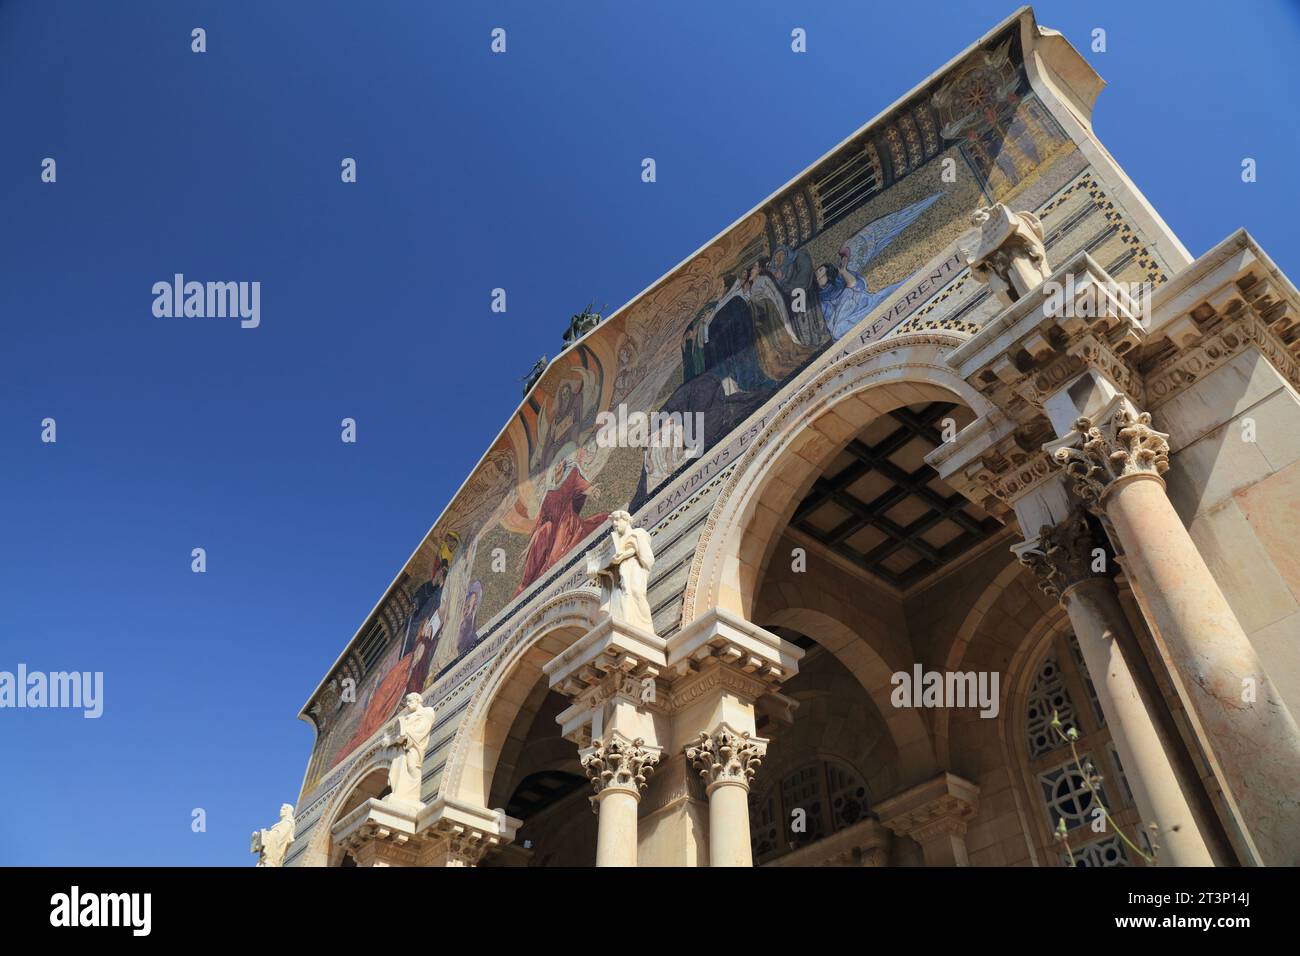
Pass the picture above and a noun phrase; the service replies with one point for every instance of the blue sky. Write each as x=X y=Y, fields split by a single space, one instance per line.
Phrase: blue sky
x=475 y=171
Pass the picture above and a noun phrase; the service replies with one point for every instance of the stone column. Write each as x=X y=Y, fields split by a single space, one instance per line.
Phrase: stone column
x=1063 y=559
x=935 y=815
x=1117 y=460
x=727 y=760
x=618 y=768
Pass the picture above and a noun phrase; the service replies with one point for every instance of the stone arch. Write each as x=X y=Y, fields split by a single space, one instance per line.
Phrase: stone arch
x=872 y=665
x=507 y=688
x=1004 y=631
x=1015 y=729
x=961 y=641
x=796 y=442
x=367 y=769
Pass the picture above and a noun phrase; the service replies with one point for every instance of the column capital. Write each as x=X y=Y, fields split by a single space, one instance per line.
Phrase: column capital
x=1061 y=557
x=1117 y=446
x=618 y=763
x=727 y=757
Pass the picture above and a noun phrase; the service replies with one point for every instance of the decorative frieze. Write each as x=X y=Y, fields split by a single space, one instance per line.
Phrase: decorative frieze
x=717 y=674
x=1251 y=309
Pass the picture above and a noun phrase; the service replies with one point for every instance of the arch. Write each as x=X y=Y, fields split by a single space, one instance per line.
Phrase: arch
x=796 y=442
x=868 y=663
x=367 y=769
x=482 y=735
x=961 y=642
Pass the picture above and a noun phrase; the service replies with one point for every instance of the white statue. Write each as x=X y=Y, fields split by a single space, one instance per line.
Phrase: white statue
x=1008 y=252
x=414 y=726
x=271 y=845
x=622 y=566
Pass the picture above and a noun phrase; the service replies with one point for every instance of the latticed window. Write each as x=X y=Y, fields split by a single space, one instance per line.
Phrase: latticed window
x=1048 y=696
x=831 y=796
x=1109 y=852
x=1062 y=679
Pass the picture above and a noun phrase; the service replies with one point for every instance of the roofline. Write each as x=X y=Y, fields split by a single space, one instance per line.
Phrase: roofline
x=1019 y=14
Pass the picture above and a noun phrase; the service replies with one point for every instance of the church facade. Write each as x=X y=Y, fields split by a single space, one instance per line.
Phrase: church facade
x=949 y=519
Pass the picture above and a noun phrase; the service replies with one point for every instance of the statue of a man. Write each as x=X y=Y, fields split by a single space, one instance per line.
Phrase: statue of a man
x=1008 y=253
x=622 y=565
x=414 y=726
x=271 y=845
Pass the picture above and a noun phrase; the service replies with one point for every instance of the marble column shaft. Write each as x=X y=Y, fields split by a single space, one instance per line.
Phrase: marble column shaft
x=1252 y=737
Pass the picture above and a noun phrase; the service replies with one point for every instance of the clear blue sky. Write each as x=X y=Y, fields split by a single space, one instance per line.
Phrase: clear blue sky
x=475 y=171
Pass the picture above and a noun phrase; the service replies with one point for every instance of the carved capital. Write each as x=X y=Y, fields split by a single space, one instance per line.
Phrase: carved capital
x=1124 y=445
x=726 y=757
x=617 y=763
x=1062 y=556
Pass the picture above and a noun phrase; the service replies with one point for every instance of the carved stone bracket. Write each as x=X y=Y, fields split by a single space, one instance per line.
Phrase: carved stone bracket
x=727 y=757
x=617 y=763
x=1122 y=445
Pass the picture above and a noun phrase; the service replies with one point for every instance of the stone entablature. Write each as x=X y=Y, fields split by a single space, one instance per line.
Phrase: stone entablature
x=443 y=833
x=1040 y=368
x=1041 y=342
x=1230 y=299
x=935 y=814
x=864 y=844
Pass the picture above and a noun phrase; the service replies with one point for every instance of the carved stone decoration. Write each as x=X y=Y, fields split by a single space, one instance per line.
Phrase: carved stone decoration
x=451 y=845
x=619 y=763
x=414 y=726
x=1125 y=445
x=727 y=757
x=621 y=564
x=272 y=845
x=1009 y=255
x=1062 y=556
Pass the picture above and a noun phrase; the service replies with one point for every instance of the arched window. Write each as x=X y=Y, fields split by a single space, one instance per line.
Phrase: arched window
x=1062 y=686
x=831 y=794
